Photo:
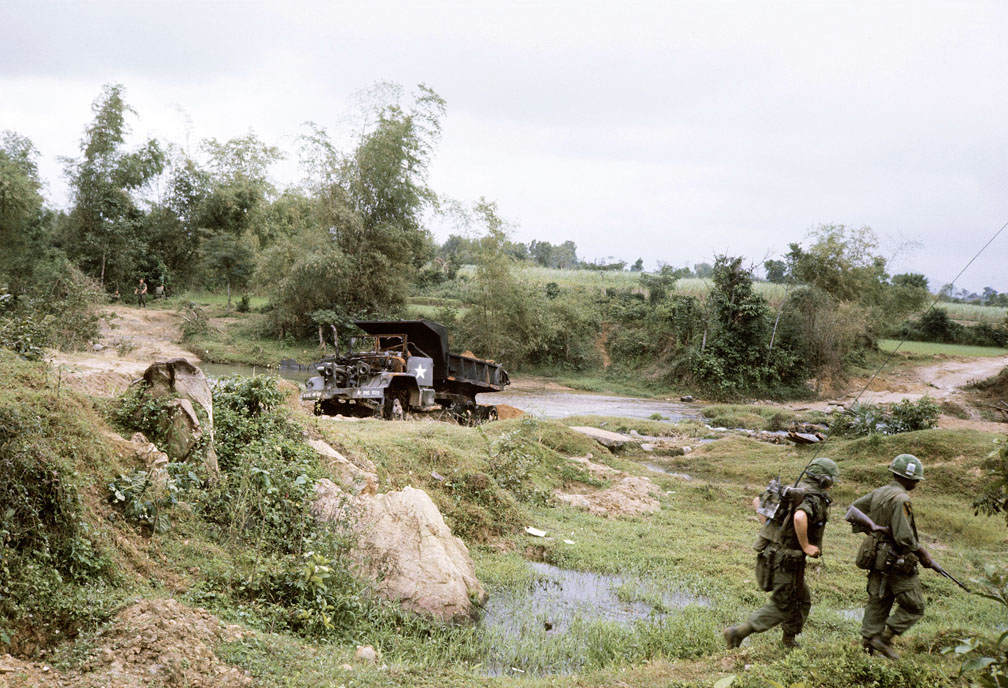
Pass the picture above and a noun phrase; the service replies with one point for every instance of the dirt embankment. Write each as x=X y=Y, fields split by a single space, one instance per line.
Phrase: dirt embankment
x=131 y=339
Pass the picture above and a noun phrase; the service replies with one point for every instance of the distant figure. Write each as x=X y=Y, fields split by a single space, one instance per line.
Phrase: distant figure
x=114 y=298
x=141 y=292
x=159 y=292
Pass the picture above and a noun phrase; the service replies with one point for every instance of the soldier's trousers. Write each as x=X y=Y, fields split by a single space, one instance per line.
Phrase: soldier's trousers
x=885 y=590
x=790 y=602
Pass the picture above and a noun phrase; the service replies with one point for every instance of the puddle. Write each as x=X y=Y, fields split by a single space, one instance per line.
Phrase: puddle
x=852 y=614
x=560 y=605
x=658 y=469
x=562 y=404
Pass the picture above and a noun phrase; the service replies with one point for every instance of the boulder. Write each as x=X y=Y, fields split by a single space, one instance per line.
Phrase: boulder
x=611 y=440
x=406 y=548
x=188 y=417
x=155 y=462
x=357 y=479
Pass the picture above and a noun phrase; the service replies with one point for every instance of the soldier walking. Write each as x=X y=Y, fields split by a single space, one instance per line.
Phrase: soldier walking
x=891 y=558
x=780 y=565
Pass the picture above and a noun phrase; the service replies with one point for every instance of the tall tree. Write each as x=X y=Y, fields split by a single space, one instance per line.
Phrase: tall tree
x=103 y=230
x=21 y=207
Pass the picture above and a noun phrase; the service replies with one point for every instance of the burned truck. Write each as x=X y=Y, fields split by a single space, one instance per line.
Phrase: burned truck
x=400 y=367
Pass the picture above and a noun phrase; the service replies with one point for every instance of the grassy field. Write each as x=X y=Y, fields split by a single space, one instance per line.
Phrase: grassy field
x=696 y=546
x=971 y=314
x=935 y=349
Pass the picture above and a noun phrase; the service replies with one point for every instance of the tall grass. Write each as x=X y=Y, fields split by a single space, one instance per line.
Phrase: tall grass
x=969 y=313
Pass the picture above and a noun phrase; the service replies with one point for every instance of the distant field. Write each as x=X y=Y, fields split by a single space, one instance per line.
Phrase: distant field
x=930 y=348
x=971 y=313
x=601 y=280
x=217 y=299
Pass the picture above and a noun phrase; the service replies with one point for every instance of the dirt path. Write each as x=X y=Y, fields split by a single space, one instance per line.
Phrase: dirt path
x=944 y=380
x=131 y=339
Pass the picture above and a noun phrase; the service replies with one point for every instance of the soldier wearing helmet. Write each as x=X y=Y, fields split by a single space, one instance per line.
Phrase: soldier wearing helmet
x=892 y=571
x=783 y=547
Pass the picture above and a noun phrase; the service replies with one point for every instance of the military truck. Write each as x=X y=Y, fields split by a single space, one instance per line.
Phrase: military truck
x=400 y=367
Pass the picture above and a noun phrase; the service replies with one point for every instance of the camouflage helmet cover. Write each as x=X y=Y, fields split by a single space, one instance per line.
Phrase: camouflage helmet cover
x=823 y=467
x=907 y=466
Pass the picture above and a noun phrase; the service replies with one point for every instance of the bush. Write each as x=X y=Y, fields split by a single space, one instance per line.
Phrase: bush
x=869 y=419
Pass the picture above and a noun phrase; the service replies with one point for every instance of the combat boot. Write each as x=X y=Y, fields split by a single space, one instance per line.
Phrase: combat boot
x=881 y=644
x=734 y=635
x=788 y=640
x=867 y=646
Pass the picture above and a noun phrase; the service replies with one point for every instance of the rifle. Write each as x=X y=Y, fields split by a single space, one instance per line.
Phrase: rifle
x=938 y=569
x=862 y=522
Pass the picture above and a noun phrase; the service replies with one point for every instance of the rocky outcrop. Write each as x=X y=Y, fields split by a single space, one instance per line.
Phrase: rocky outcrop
x=405 y=547
x=627 y=495
x=610 y=440
x=357 y=479
x=187 y=422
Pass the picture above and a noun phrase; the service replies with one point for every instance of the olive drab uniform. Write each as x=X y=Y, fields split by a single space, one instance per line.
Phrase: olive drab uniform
x=892 y=563
x=781 y=565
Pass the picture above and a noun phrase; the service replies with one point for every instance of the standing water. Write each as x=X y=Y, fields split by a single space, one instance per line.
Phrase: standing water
x=547 y=627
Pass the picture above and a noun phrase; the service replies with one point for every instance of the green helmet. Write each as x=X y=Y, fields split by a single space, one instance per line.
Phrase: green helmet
x=822 y=467
x=907 y=466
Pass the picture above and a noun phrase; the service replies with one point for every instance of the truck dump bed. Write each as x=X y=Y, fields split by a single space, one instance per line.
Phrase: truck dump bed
x=455 y=373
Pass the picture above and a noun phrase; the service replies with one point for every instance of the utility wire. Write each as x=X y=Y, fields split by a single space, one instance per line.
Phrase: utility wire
x=847 y=409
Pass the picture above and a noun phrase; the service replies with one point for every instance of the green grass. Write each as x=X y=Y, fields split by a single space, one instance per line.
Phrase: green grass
x=208 y=298
x=935 y=349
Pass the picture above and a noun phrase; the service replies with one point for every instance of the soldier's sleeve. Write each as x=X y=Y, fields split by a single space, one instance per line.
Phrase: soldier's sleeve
x=863 y=503
x=902 y=531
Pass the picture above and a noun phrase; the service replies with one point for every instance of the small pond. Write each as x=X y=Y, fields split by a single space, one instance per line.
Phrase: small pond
x=550 y=621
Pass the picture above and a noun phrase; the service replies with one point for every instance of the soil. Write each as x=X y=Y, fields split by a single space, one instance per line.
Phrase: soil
x=945 y=381
x=130 y=340
x=151 y=643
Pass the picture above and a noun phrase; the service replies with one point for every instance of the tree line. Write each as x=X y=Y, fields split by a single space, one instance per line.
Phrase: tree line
x=349 y=241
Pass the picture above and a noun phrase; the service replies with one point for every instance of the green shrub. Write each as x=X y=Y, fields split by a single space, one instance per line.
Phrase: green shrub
x=869 y=419
x=145 y=498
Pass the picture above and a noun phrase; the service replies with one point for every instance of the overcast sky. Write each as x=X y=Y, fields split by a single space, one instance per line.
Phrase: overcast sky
x=671 y=131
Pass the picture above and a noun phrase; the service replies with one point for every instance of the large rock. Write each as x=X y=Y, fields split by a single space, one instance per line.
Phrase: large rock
x=611 y=440
x=187 y=423
x=406 y=548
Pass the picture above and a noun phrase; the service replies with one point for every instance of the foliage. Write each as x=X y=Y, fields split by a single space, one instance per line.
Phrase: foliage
x=735 y=357
x=988 y=658
x=229 y=260
x=194 y=320
x=994 y=499
x=506 y=320
x=370 y=204
x=511 y=458
x=145 y=497
x=935 y=325
x=60 y=317
x=867 y=419
x=268 y=474
x=103 y=230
